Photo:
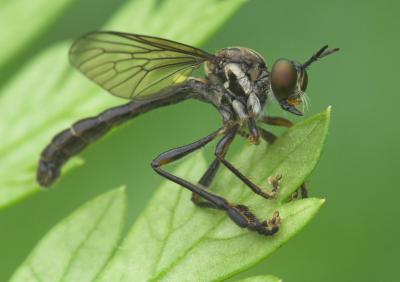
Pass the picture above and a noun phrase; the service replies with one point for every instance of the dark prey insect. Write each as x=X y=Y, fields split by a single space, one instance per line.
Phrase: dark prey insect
x=154 y=72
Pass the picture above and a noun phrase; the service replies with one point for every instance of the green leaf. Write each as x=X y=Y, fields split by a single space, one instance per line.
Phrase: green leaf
x=68 y=96
x=78 y=247
x=16 y=35
x=266 y=278
x=175 y=241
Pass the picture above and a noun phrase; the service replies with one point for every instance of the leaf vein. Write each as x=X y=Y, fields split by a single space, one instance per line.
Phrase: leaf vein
x=87 y=237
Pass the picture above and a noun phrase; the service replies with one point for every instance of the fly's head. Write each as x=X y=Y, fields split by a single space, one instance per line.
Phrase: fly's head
x=289 y=80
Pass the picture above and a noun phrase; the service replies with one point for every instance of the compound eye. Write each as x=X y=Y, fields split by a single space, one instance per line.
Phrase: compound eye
x=283 y=78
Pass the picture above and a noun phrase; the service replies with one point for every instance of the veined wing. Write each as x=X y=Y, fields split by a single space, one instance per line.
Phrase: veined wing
x=134 y=66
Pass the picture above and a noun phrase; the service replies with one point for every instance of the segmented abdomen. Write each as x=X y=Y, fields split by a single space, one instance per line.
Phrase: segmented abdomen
x=71 y=141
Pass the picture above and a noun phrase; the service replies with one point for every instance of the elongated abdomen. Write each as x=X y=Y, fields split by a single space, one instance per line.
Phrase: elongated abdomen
x=73 y=140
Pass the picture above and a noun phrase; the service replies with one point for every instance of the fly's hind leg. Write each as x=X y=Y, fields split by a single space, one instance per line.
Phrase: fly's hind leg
x=239 y=214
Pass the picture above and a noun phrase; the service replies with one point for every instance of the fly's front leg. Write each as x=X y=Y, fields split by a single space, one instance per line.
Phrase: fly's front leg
x=278 y=121
x=303 y=190
x=240 y=214
x=220 y=152
x=267 y=136
x=300 y=193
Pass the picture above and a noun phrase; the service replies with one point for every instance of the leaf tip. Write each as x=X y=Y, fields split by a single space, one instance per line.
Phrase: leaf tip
x=120 y=190
x=318 y=202
x=324 y=118
x=328 y=110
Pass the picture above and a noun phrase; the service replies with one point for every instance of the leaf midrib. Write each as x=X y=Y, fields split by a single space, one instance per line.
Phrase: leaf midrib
x=217 y=223
x=87 y=237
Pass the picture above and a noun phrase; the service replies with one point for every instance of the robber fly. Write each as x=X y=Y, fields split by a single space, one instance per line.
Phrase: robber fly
x=153 y=72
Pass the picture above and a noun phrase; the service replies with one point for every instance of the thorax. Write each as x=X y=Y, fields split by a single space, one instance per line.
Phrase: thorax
x=238 y=82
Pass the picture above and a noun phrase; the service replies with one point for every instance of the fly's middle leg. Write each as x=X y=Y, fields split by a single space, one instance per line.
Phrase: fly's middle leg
x=220 y=152
x=240 y=214
x=209 y=175
x=205 y=182
x=302 y=191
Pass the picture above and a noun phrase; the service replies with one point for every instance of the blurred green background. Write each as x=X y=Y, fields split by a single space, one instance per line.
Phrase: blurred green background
x=355 y=236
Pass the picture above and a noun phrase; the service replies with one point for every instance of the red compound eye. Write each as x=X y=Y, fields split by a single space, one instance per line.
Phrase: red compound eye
x=283 y=78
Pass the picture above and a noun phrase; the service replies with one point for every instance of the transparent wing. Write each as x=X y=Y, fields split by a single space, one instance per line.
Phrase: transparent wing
x=134 y=66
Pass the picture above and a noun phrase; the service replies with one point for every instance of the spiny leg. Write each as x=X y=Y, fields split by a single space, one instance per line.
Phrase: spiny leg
x=240 y=214
x=220 y=152
x=209 y=175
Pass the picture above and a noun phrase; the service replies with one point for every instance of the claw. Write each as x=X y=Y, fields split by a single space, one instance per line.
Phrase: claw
x=243 y=217
x=271 y=226
x=275 y=182
x=268 y=194
x=275 y=221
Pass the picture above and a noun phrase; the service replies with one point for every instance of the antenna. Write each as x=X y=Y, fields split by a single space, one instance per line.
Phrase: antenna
x=323 y=52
